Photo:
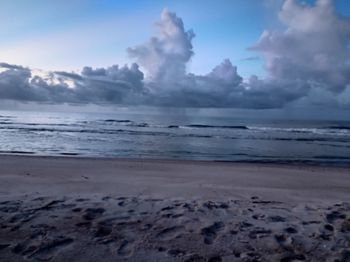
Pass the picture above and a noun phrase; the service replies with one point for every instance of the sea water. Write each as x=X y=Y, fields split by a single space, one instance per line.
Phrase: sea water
x=176 y=136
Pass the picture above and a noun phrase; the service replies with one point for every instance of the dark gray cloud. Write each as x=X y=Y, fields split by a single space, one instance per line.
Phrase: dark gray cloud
x=307 y=62
x=8 y=66
x=17 y=83
x=116 y=85
x=111 y=85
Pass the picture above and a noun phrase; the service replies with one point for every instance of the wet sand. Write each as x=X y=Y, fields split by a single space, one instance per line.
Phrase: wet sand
x=85 y=209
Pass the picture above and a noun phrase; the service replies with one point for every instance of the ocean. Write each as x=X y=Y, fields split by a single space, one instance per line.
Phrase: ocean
x=175 y=136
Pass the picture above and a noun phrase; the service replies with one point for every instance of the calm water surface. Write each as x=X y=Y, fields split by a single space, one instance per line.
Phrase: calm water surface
x=176 y=136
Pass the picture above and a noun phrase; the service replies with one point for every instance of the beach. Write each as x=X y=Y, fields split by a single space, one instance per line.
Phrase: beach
x=175 y=131
x=114 y=209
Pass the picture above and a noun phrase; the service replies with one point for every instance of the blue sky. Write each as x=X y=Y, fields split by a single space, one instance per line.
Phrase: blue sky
x=67 y=35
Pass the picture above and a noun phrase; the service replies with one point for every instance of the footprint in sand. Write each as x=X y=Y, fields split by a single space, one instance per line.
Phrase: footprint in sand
x=103 y=231
x=291 y=230
x=311 y=222
x=83 y=224
x=276 y=219
x=284 y=241
x=82 y=199
x=76 y=210
x=215 y=205
x=18 y=248
x=259 y=233
x=293 y=257
x=258 y=216
x=170 y=232
x=176 y=252
x=167 y=208
x=329 y=227
x=10 y=206
x=243 y=225
x=44 y=251
x=3 y=246
x=92 y=213
x=195 y=258
x=177 y=215
x=335 y=215
x=126 y=248
x=210 y=233
x=345 y=226
x=215 y=259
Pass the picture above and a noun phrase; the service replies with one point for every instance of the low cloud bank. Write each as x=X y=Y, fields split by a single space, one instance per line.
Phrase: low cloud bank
x=308 y=61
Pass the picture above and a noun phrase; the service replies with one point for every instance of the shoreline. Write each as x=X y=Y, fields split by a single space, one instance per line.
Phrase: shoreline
x=287 y=163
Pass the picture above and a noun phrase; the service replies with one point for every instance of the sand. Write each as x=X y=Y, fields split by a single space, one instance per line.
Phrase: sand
x=89 y=209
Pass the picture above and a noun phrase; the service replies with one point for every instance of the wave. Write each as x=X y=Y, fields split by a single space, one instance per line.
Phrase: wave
x=341 y=130
x=17 y=152
x=131 y=123
x=338 y=127
x=311 y=130
x=134 y=124
x=92 y=131
x=79 y=129
x=105 y=131
x=281 y=129
x=109 y=121
x=130 y=127
x=332 y=157
x=195 y=135
x=301 y=139
x=124 y=122
x=69 y=154
x=207 y=126
x=314 y=130
x=21 y=125
x=118 y=121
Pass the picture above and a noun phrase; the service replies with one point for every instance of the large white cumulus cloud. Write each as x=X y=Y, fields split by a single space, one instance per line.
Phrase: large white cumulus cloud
x=165 y=57
x=313 y=48
x=309 y=57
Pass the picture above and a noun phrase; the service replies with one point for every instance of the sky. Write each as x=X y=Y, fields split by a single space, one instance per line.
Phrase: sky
x=67 y=35
x=235 y=54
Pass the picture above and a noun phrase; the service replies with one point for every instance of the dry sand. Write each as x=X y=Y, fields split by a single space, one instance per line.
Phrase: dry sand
x=76 y=209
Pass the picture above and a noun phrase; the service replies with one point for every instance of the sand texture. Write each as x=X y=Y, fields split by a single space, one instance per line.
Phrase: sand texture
x=75 y=209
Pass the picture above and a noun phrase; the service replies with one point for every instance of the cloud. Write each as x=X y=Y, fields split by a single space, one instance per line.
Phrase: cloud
x=314 y=48
x=306 y=62
x=111 y=85
x=251 y=58
x=120 y=85
x=18 y=83
x=164 y=57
